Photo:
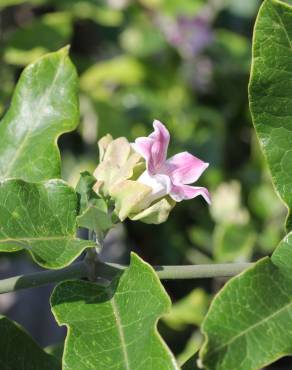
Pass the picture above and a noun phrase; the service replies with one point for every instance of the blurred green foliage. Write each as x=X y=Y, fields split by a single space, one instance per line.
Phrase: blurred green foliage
x=187 y=64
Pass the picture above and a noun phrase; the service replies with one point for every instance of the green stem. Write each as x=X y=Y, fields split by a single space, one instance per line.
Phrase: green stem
x=107 y=270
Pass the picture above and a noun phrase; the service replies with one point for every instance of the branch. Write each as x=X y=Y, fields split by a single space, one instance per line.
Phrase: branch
x=107 y=270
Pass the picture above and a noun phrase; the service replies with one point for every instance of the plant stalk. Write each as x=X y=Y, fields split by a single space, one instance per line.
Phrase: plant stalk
x=107 y=270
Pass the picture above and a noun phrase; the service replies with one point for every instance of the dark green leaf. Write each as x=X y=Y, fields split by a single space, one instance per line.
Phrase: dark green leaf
x=18 y=351
x=44 y=105
x=191 y=364
x=270 y=93
x=114 y=327
x=40 y=218
x=48 y=33
x=249 y=323
x=56 y=350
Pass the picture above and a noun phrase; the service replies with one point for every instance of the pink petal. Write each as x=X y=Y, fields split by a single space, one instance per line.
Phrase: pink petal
x=143 y=146
x=154 y=147
x=184 y=168
x=183 y=192
x=160 y=138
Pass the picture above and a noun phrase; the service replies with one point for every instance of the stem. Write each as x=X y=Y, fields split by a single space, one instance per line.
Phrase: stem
x=91 y=257
x=107 y=270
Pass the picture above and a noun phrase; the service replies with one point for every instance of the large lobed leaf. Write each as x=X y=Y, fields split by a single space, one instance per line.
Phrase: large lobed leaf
x=114 y=327
x=18 y=351
x=44 y=105
x=270 y=93
x=249 y=323
x=40 y=218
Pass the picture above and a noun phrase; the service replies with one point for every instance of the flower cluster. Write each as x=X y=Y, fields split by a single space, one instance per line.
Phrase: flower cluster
x=141 y=181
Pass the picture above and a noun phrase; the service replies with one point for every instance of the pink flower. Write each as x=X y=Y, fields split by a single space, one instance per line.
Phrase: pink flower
x=169 y=176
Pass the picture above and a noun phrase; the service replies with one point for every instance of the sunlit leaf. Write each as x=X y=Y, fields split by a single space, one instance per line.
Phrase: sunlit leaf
x=249 y=323
x=114 y=327
x=270 y=93
x=40 y=218
x=44 y=105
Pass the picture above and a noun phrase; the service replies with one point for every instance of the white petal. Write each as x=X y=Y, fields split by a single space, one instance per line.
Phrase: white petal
x=160 y=184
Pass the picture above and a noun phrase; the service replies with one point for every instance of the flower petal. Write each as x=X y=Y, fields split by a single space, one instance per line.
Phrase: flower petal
x=184 y=168
x=143 y=145
x=154 y=147
x=160 y=138
x=183 y=192
x=160 y=185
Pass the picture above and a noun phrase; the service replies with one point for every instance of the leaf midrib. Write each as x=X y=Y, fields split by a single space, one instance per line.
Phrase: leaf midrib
x=121 y=332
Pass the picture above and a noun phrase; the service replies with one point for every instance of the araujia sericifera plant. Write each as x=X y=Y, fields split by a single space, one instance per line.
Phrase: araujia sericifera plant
x=112 y=319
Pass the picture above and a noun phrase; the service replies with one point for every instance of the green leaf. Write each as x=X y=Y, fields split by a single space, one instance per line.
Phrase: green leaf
x=44 y=105
x=189 y=310
x=19 y=351
x=233 y=242
x=191 y=364
x=40 y=218
x=5 y=3
x=48 y=33
x=270 y=93
x=56 y=350
x=96 y=217
x=188 y=358
x=94 y=213
x=114 y=327
x=85 y=191
x=249 y=323
x=98 y=80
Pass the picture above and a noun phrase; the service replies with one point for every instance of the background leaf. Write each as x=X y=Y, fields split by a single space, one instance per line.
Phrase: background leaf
x=233 y=242
x=270 y=93
x=40 y=218
x=114 y=327
x=189 y=310
x=48 y=33
x=191 y=364
x=249 y=323
x=44 y=105
x=19 y=351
